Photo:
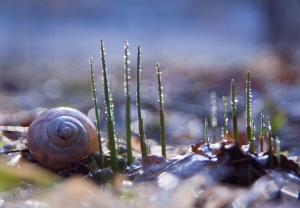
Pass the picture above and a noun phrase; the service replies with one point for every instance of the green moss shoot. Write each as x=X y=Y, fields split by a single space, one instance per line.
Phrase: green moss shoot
x=270 y=140
x=138 y=103
x=161 y=112
x=262 y=132
x=127 y=104
x=225 y=134
x=206 y=132
x=213 y=116
x=233 y=110
x=252 y=146
x=96 y=115
x=109 y=112
x=248 y=109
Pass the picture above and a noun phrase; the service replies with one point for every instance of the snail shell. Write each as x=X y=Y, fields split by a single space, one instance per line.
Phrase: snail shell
x=60 y=137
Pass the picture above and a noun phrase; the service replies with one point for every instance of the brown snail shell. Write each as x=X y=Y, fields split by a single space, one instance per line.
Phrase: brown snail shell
x=60 y=137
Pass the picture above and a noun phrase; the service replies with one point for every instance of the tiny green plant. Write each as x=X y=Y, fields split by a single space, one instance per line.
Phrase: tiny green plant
x=138 y=103
x=270 y=140
x=97 y=116
x=109 y=112
x=225 y=134
x=265 y=126
x=95 y=163
x=127 y=105
x=233 y=110
x=248 y=108
x=161 y=112
x=262 y=132
x=213 y=117
x=252 y=146
x=206 y=132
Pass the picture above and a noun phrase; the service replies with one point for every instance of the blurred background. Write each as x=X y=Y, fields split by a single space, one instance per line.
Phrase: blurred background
x=200 y=45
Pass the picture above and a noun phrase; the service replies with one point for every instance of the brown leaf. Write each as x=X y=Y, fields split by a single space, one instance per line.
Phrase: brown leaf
x=195 y=148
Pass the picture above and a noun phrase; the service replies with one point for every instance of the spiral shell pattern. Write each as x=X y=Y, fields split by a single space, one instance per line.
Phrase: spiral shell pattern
x=60 y=137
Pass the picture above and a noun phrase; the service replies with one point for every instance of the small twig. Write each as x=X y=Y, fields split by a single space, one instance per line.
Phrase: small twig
x=15 y=150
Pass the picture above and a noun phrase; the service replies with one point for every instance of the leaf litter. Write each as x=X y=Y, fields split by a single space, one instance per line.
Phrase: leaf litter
x=202 y=177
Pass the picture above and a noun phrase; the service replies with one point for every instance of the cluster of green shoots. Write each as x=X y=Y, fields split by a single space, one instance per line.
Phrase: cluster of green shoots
x=108 y=101
x=265 y=126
